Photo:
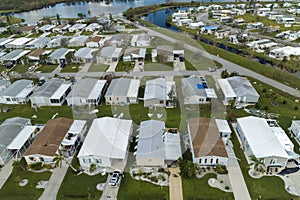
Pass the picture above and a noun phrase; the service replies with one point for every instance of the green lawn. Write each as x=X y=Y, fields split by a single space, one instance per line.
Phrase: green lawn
x=11 y=189
x=131 y=189
x=21 y=68
x=88 y=33
x=71 y=68
x=157 y=67
x=95 y=67
x=124 y=66
x=80 y=187
x=267 y=187
x=194 y=188
x=43 y=114
x=47 y=68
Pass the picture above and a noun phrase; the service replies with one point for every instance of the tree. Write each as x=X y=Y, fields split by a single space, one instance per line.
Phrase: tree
x=70 y=56
x=43 y=58
x=64 y=42
x=89 y=13
x=58 y=159
x=58 y=19
x=80 y=15
x=258 y=164
x=224 y=74
x=187 y=168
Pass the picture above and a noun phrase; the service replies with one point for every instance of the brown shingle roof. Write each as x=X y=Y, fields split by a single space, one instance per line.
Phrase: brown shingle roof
x=48 y=141
x=206 y=139
x=95 y=39
x=36 y=53
x=131 y=50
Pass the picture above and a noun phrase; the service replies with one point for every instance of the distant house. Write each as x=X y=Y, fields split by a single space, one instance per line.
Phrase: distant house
x=150 y=148
x=165 y=53
x=157 y=93
x=17 y=93
x=4 y=84
x=86 y=91
x=238 y=89
x=285 y=20
x=109 y=54
x=18 y=43
x=122 y=91
x=266 y=140
x=255 y=25
x=16 y=135
x=206 y=144
x=14 y=56
x=283 y=52
x=84 y=55
x=119 y=40
x=93 y=27
x=224 y=33
x=77 y=27
x=60 y=136
x=56 y=42
x=4 y=41
x=132 y=54
x=61 y=28
x=78 y=41
x=59 y=56
x=295 y=129
x=47 y=28
x=195 y=91
x=95 y=42
x=27 y=29
x=209 y=29
x=106 y=143
x=35 y=55
x=38 y=43
x=52 y=93
x=196 y=25
x=142 y=40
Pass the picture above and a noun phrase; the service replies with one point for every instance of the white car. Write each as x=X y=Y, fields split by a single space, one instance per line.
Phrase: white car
x=115 y=178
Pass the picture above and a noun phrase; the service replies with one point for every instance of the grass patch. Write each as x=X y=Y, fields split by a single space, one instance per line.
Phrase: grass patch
x=11 y=189
x=22 y=69
x=157 y=67
x=87 y=33
x=71 y=68
x=43 y=114
x=80 y=187
x=141 y=190
x=124 y=66
x=194 y=188
x=46 y=68
x=264 y=188
x=95 y=67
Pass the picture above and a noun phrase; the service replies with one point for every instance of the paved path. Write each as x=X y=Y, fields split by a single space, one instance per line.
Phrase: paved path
x=112 y=67
x=86 y=67
x=236 y=178
x=5 y=172
x=54 y=183
x=175 y=186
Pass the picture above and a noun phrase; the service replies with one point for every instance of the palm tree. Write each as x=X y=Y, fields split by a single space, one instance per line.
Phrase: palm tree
x=58 y=159
x=89 y=13
x=257 y=163
x=58 y=19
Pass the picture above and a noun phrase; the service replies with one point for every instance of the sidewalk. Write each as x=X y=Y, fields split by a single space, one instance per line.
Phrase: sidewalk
x=5 y=172
x=175 y=186
x=54 y=183
x=112 y=66
x=236 y=177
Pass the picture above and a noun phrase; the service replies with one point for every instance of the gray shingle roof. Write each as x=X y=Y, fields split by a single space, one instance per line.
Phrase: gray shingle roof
x=48 y=88
x=190 y=88
x=242 y=86
x=118 y=87
x=15 y=88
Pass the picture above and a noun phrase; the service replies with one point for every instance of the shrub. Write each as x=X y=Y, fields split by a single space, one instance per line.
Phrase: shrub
x=36 y=166
x=266 y=107
x=284 y=102
x=220 y=169
x=208 y=168
x=296 y=108
x=162 y=170
x=154 y=179
x=264 y=90
x=92 y=167
x=227 y=187
x=48 y=166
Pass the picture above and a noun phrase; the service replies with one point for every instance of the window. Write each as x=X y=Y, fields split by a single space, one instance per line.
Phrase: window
x=99 y=161
x=90 y=161
x=7 y=99
x=200 y=161
x=31 y=158
x=217 y=161
x=205 y=161
x=211 y=160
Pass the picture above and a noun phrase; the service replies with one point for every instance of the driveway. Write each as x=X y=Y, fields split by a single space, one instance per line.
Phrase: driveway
x=54 y=183
x=112 y=67
x=110 y=193
x=5 y=172
x=175 y=187
x=178 y=66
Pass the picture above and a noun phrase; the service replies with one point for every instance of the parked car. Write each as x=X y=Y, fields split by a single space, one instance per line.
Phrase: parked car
x=115 y=178
x=41 y=82
x=31 y=69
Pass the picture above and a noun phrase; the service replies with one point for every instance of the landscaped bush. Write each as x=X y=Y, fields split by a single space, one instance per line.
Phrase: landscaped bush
x=36 y=166
x=92 y=167
x=162 y=170
x=48 y=166
x=227 y=187
x=154 y=179
x=220 y=169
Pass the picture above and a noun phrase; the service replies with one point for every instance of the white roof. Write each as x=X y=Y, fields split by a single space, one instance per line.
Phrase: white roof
x=223 y=126
x=226 y=88
x=210 y=93
x=158 y=89
x=5 y=41
x=107 y=137
x=97 y=89
x=133 y=88
x=172 y=146
x=20 y=41
x=21 y=138
x=77 y=126
x=260 y=138
x=60 y=91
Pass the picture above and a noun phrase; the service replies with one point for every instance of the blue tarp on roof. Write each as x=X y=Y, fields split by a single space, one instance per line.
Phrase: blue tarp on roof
x=200 y=86
x=207 y=28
